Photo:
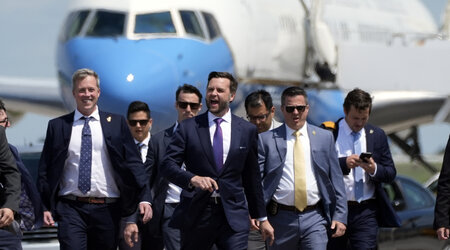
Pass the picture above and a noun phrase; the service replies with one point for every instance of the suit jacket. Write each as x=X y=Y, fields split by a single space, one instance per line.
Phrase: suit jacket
x=9 y=176
x=239 y=180
x=158 y=183
x=376 y=141
x=272 y=154
x=442 y=209
x=30 y=188
x=129 y=172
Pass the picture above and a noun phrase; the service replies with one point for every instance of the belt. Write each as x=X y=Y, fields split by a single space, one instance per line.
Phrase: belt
x=364 y=202
x=294 y=209
x=215 y=200
x=90 y=200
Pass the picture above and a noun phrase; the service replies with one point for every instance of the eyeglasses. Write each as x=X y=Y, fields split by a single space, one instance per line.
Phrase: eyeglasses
x=299 y=108
x=258 y=117
x=183 y=105
x=5 y=120
x=135 y=122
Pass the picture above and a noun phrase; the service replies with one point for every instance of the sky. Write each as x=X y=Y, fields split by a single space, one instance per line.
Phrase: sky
x=27 y=49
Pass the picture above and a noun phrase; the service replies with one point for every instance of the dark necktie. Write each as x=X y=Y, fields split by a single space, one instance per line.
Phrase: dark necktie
x=358 y=171
x=84 y=175
x=218 y=144
x=26 y=210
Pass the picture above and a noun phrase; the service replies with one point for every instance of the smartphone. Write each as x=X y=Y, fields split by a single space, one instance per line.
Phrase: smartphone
x=365 y=156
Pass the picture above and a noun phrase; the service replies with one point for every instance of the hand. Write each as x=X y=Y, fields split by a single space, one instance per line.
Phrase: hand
x=340 y=228
x=352 y=161
x=146 y=211
x=254 y=224
x=443 y=233
x=368 y=166
x=267 y=231
x=205 y=183
x=48 y=219
x=6 y=216
x=131 y=234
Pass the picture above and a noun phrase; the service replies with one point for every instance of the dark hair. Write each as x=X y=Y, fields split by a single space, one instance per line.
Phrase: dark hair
x=254 y=99
x=187 y=88
x=233 y=82
x=293 y=91
x=359 y=99
x=138 y=106
x=2 y=106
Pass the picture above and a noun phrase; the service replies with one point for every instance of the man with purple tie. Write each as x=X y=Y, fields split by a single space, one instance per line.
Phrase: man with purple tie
x=219 y=151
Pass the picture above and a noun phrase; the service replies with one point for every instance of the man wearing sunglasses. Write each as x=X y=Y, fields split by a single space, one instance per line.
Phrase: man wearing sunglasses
x=260 y=110
x=368 y=205
x=166 y=195
x=140 y=123
x=30 y=205
x=303 y=187
x=219 y=151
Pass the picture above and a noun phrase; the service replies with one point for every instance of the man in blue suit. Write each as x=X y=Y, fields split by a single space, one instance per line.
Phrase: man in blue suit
x=303 y=187
x=90 y=171
x=368 y=205
x=219 y=151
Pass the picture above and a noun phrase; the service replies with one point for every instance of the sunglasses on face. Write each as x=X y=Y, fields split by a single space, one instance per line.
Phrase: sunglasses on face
x=258 y=117
x=5 y=120
x=183 y=105
x=291 y=109
x=135 y=122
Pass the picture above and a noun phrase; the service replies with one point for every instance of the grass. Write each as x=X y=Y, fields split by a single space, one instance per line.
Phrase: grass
x=415 y=171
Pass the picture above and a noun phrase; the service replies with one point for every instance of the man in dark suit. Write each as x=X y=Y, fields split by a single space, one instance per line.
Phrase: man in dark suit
x=90 y=172
x=9 y=195
x=219 y=151
x=30 y=206
x=166 y=195
x=368 y=205
x=303 y=187
x=442 y=209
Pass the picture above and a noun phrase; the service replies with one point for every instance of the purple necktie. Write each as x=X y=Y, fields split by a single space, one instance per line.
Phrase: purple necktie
x=218 y=144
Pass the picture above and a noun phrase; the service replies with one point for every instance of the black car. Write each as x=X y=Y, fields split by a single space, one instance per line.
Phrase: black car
x=415 y=207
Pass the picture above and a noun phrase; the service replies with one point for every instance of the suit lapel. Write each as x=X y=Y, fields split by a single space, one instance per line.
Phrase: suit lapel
x=67 y=128
x=105 y=121
x=279 y=135
x=203 y=134
x=369 y=138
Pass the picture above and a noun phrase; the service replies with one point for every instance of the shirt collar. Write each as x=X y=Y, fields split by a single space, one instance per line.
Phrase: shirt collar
x=303 y=130
x=226 y=117
x=77 y=116
x=347 y=130
x=145 y=141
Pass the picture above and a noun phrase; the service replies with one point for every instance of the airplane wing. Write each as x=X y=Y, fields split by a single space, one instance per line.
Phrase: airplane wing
x=395 y=111
x=37 y=95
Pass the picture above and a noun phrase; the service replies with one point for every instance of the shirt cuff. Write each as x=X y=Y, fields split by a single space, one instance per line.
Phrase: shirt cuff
x=262 y=219
x=374 y=172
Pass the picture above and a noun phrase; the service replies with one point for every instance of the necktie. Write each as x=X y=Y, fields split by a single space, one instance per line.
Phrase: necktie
x=84 y=175
x=26 y=210
x=218 y=144
x=299 y=174
x=358 y=171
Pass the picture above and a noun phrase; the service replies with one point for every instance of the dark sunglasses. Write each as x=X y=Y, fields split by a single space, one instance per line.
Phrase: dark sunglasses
x=299 y=108
x=5 y=120
x=184 y=105
x=135 y=122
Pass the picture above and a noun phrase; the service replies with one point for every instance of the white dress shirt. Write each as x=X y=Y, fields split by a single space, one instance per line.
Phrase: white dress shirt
x=144 y=148
x=102 y=179
x=285 y=192
x=344 y=148
x=226 y=131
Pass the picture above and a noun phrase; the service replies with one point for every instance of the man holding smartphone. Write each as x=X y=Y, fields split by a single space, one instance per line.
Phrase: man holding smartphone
x=366 y=162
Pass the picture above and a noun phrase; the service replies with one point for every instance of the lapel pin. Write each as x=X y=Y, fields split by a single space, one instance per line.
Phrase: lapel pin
x=314 y=132
x=108 y=118
x=371 y=131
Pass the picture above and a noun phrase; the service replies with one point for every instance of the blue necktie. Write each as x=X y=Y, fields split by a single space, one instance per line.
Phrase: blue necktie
x=218 y=144
x=84 y=175
x=358 y=171
x=26 y=210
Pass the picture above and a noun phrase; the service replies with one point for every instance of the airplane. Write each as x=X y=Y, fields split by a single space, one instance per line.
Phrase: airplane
x=143 y=50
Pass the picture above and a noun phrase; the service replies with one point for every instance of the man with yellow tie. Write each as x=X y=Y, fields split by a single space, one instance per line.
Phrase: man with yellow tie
x=303 y=187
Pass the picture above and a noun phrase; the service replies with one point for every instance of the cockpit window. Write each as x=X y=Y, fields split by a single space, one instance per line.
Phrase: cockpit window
x=191 y=23
x=212 y=25
x=154 y=23
x=106 y=24
x=73 y=24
